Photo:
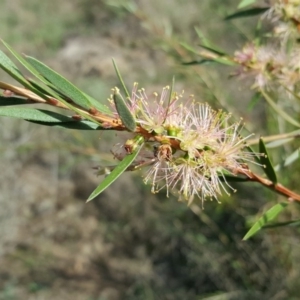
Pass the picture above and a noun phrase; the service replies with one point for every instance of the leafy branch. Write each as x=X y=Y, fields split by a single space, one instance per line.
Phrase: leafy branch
x=175 y=151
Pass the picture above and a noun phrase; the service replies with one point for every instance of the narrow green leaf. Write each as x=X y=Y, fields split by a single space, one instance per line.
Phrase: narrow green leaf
x=214 y=50
x=41 y=90
x=224 y=61
x=121 y=79
x=170 y=98
x=220 y=57
x=62 y=84
x=291 y=158
x=245 y=3
x=282 y=113
x=48 y=118
x=199 y=62
x=256 y=157
x=294 y=223
x=33 y=114
x=71 y=124
x=44 y=90
x=264 y=219
x=171 y=90
x=266 y=162
x=23 y=61
x=202 y=37
x=123 y=111
x=26 y=95
x=219 y=60
x=278 y=143
x=50 y=90
x=6 y=101
x=114 y=175
x=254 y=100
x=9 y=67
x=247 y=13
x=189 y=48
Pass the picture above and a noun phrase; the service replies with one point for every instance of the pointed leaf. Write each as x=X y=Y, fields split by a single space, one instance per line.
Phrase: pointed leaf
x=171 y=91
x=247 y=13
x=254 y=100
x=294 y=223
x=199 y=62
x=285 y=162
x=256 y=157
x=35 y=97
x=278 y=143
x=214 y=50
x=282 y=113
x=23 y=61
x=6 y=101
x=60 y=83
x=71 y=124
x=219 y=60
x=115 y=174
x=265 y=161
x=291 y=158
x=9 y=67
x=170 y=98
x=42 y=90
x=48 y=118
x=33 y=86
x=123 y=111
x=40 y=87
x=33 y=114
x=189 y=48
x=121 y=79
x=264 y=219
x=202 y=37
x=214 y=55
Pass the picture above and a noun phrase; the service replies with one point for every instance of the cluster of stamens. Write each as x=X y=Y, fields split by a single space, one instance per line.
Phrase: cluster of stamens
x=189 y=148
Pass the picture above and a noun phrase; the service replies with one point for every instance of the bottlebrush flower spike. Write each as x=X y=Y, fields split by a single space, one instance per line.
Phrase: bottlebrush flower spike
x=189 y=147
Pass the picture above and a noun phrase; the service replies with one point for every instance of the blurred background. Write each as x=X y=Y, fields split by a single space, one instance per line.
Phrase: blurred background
x=128 y=243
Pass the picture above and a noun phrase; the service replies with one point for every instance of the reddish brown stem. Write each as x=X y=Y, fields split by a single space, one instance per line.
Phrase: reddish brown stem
x=108 y=122
x=276 y=187
x=112 y=123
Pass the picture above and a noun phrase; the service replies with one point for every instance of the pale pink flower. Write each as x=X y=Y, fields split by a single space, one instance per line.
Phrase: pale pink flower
x=285 y=14
x=209 y=145
x=210 y=148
